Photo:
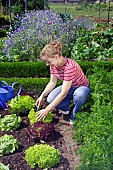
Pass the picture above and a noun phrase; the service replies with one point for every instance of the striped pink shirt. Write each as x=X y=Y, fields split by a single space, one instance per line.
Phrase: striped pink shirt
x=70 y=71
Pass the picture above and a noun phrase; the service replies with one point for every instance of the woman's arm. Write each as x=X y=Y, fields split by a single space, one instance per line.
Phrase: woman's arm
x=50 y=86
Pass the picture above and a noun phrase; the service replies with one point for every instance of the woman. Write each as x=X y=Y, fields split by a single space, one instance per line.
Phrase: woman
x=75 y=85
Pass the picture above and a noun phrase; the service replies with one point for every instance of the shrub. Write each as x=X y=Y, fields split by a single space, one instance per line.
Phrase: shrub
x=24 y=69
x=43 y=155
x=35 y=30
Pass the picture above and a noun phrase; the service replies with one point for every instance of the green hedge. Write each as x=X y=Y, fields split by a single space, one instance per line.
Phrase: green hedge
x=39 y=69
x=29 y=84
x=24 y=69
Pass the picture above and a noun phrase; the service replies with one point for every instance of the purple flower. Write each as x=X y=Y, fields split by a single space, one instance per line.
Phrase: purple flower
x=35 y=30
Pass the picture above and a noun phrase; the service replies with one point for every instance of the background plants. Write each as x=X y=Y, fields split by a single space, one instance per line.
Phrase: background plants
x=96 y=43
x=35 y=30
x=94 y=125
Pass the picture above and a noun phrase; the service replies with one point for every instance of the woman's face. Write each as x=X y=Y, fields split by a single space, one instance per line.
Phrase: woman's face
x=51 y=61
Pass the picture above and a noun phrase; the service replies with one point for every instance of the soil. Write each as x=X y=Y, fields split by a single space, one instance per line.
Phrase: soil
x=62 y=140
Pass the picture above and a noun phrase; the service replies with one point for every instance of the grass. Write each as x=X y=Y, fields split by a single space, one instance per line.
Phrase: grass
x=72 y=9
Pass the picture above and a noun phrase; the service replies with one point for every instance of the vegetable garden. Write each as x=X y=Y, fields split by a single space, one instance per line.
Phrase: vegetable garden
x=28 y=144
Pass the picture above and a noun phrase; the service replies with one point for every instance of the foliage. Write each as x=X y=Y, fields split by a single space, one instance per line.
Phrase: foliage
x=35 y=30
x=43 y=155
x=10 y=122
x=32 y=117
x=4 y=167
x=4 y=19
x=94 y=128
x=66 y=17
x=2 y=55
x=38 y=70
x=41 y=131
x=8 y=144
x=17 y=8
x=96 y=43
x=35 y=5
x=24 y=69
x=21 y=104
x=3 y=33
x=35 y=84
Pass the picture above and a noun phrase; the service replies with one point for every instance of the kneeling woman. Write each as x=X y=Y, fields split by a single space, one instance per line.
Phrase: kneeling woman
x=75 y=85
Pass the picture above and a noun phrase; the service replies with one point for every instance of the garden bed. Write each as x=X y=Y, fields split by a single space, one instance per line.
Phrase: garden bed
x=62 y=140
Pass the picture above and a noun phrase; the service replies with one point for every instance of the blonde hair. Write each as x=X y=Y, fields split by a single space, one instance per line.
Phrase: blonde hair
x=51 y=49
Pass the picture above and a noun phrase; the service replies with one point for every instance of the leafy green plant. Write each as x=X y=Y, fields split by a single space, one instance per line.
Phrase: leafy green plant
x=43 y=155
x=32 y=117
x=8 y=144
x=21 y=104
x=96 y=43
x=94 y=128
x=10 y=122
x=2 y=55
x=41 y=131
x=4 y=167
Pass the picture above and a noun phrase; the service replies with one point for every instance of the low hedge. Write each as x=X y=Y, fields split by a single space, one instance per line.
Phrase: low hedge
x=39 y=69
x=29 y=84
x=24 y=69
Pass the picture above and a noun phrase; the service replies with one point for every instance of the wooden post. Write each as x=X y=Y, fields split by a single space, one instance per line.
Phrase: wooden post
x=25 y=2
x=65 y=1
x=108 y=12
x=10 y=19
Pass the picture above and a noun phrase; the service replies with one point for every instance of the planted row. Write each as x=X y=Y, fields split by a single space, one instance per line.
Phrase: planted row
x=94 y=124
x=41 y=154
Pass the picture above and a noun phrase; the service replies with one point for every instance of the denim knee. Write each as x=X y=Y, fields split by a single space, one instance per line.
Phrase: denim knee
x=80 y=94
x=49 y=99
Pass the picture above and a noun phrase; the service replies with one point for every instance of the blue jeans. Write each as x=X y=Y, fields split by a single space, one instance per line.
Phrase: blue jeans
x=78 y=95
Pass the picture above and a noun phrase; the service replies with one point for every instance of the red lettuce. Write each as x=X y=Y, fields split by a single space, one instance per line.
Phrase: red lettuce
x=41 y=131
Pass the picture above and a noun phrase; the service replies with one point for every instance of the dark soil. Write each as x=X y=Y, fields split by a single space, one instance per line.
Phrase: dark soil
x=62 y=140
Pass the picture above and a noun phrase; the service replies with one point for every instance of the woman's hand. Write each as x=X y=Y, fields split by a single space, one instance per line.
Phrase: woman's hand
x=39 y=101
x=41 y=114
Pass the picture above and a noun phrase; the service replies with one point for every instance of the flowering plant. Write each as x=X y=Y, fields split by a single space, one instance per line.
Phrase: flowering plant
x=35 y=30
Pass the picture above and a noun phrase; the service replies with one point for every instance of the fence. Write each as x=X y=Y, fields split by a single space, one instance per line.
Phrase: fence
x=65 y=1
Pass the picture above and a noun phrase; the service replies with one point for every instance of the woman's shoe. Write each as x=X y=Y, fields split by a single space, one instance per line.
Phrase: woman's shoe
x=70 y=123
x=64 y=112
